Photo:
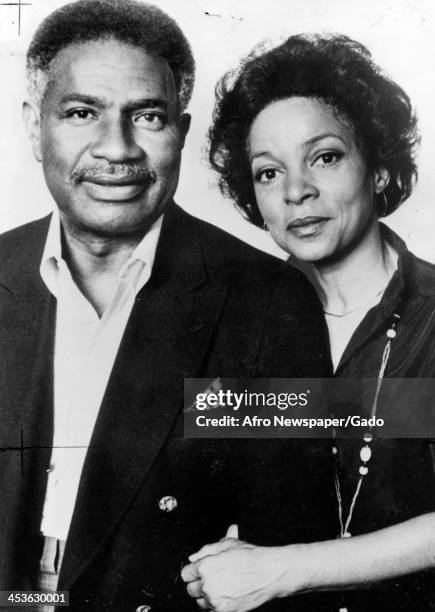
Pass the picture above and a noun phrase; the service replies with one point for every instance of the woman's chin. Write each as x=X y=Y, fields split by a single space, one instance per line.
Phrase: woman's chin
x=309 y=254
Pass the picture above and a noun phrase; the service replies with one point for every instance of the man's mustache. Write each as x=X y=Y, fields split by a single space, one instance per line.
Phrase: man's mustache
x=135 y=171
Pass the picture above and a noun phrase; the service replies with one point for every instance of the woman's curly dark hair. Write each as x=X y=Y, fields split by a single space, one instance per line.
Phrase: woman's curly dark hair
x=336 y=70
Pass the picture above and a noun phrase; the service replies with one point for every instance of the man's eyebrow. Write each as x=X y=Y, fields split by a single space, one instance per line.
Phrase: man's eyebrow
x=83 y=99
x=100 y=102
x=147 y=103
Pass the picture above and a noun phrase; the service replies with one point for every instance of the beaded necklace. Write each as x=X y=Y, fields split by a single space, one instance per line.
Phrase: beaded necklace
x=365 y=452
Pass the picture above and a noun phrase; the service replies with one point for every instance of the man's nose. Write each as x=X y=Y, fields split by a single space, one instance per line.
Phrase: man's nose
x=115 y=141
x=298 y=187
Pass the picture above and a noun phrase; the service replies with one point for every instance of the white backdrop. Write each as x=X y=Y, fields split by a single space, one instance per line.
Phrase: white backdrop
x=400 y=34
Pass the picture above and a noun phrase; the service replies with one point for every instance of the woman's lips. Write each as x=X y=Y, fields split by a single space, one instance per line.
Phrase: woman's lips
x=307 y=226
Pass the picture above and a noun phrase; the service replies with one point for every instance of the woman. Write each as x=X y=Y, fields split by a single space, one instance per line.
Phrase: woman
x=315 y=143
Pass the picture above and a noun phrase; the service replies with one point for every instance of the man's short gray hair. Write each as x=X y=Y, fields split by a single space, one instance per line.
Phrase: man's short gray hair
x=130 y=21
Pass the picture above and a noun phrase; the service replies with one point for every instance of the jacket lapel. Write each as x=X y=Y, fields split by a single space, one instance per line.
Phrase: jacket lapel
x=26 y=333
x=167 y=337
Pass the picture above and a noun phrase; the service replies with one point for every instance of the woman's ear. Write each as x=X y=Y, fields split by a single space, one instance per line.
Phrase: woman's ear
x=32 y=122
x=382 y=178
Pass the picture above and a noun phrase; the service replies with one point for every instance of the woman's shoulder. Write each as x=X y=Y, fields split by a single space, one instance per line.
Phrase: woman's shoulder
x=418 y=274
x=421 y=274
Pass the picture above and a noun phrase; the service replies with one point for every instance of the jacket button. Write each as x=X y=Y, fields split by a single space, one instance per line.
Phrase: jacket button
x=168 y=503
x=143 y=609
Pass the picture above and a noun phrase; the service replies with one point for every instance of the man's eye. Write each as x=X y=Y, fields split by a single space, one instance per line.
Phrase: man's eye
x=329 y=158
x=80 y=115
x=151 y=120
x=266 y=176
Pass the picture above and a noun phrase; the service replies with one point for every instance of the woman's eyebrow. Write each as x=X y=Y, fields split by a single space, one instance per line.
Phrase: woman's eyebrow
x=259 y=154
x=308 y=142
x=318 y=137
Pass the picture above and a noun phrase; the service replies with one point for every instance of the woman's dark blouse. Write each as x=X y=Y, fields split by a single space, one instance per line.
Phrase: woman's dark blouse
x=401 y=480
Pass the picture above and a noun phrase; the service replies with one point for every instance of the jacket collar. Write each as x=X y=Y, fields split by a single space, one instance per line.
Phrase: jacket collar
x=144 y=252
x=405 y=283
x=20 y=271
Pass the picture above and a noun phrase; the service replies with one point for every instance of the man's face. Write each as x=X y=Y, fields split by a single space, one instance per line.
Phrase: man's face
x=110 y=137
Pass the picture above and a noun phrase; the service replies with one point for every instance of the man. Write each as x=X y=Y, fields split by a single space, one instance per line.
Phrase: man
x=105 y=307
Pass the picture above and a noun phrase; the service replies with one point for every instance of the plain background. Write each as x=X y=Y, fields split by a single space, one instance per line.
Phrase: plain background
x=399 y=33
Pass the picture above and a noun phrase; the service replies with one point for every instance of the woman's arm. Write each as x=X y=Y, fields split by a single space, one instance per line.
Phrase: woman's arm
x=234 y=576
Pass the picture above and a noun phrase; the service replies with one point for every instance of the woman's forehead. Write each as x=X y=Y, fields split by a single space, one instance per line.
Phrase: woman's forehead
x=299 y=121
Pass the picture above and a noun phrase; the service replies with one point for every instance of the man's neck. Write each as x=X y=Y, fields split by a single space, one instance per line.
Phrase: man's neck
x=96 y=261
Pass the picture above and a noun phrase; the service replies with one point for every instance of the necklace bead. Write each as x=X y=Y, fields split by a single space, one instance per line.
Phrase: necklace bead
x=368 y=437
x=364 y=470
x=365 y=454
x=391 y=333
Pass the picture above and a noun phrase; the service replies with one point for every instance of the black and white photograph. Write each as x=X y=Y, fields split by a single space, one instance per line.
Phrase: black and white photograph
x=211 y=190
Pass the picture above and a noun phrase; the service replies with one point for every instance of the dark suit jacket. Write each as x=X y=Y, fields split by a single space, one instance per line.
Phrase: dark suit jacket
x=213 y=307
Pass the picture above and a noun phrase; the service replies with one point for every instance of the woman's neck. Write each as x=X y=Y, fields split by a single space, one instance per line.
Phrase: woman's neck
x=355 y=280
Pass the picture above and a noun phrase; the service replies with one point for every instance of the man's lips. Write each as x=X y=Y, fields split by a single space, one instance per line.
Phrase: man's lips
x=115 y=188
x=115 y=181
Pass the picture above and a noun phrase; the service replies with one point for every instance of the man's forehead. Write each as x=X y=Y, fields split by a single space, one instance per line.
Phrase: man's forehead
x=112 y=67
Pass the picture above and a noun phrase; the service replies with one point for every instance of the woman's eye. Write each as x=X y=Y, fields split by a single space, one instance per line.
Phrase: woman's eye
x=329 y=158
x=265 y=176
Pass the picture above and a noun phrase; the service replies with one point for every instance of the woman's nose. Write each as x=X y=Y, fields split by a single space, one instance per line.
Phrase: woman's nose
x=298 y=187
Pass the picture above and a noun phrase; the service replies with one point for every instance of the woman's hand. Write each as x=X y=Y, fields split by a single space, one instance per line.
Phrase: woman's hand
x=234 y=576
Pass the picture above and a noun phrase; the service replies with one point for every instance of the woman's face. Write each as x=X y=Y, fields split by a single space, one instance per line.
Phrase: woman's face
x=311 y=181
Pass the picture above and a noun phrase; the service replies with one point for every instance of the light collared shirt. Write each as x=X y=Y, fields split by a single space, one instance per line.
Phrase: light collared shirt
x=85 y=350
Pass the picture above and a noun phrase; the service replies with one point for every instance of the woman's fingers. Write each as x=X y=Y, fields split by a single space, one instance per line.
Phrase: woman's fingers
x=190 y=572
x=213 y=549
x=195 y=589
x=232 y=532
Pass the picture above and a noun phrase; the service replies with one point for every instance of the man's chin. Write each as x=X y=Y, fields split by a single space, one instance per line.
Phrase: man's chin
x=111 y=224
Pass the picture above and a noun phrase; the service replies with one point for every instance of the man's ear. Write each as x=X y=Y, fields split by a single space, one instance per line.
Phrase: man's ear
x=184 y=126
x=32 y=122
x=382 y=178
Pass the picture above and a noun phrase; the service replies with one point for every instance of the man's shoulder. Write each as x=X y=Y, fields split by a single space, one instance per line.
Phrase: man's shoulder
x=227 y=252
x=28 y=236
x=225 y=246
